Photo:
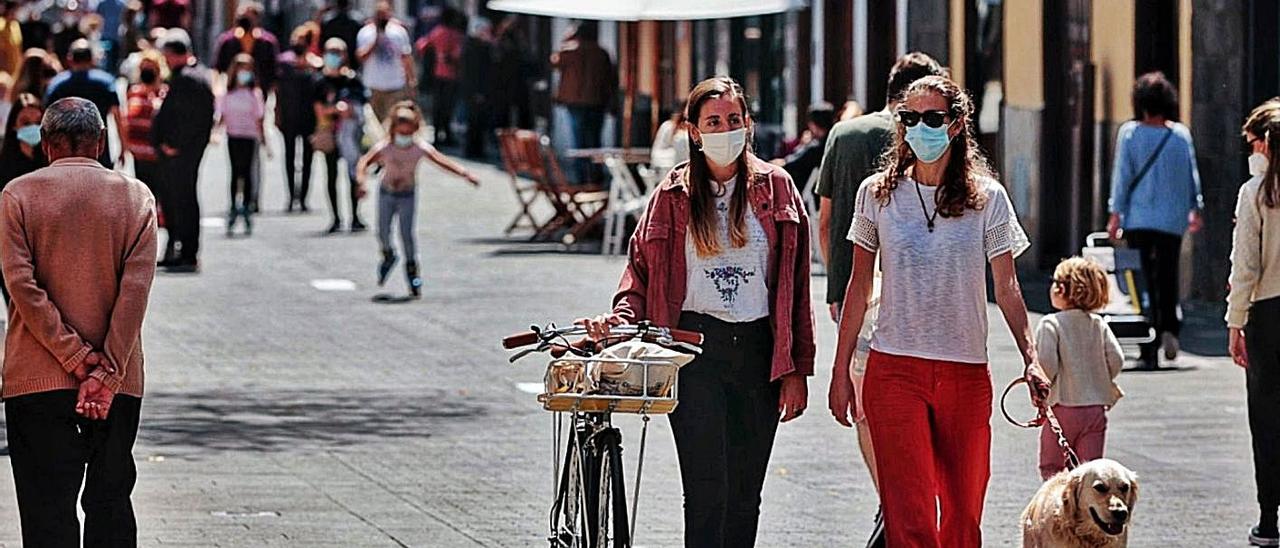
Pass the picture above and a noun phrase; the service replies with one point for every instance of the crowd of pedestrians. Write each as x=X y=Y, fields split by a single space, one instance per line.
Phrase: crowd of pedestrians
x=317 y=88
x=910 y=219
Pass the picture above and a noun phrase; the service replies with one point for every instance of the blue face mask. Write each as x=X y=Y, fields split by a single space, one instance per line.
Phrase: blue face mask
x=928 y=143
x=29 y=134
x=332 y=60
x=404 y=141
x=244 y=78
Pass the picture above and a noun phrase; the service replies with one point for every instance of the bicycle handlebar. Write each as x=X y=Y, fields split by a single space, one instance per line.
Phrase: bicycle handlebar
x=661 y=335
x=518 y=340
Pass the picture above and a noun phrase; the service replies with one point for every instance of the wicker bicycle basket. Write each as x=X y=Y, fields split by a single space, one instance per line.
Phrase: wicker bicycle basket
x=611 y=385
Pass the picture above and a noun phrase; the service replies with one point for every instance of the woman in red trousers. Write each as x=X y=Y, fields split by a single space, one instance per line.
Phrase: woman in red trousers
x=936 y=218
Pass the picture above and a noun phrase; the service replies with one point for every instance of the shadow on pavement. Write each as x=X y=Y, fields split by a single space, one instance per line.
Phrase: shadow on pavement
x=270 y=421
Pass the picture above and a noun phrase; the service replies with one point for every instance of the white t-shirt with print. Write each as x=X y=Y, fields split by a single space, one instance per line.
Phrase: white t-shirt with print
x=384 y=70
x=933 y=298
x=732 y=285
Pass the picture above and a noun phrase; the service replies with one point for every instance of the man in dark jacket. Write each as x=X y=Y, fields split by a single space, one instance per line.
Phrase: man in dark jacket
x=248 y=37
x=477 y=86
x=82 y=79
x=180 y=132
x=343 y=24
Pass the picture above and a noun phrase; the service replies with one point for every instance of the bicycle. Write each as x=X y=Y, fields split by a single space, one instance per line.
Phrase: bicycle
x=590 y=499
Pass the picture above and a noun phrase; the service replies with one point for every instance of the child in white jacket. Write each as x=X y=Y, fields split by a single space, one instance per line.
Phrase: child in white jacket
x=1082 y=358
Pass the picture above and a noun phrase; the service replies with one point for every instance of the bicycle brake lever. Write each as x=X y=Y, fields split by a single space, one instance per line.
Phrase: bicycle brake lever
x=689 y=348
x=521 y=354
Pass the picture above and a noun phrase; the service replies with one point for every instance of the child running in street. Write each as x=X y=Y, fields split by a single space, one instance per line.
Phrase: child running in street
x=399 y=154
x=1082 y=358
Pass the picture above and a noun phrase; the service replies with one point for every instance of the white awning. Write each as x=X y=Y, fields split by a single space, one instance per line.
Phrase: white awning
x=647 y=10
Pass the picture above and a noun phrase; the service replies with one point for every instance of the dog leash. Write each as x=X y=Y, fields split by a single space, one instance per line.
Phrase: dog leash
x=1046 y=416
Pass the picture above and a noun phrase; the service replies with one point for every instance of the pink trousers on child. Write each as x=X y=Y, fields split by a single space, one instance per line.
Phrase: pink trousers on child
x=1085 y=428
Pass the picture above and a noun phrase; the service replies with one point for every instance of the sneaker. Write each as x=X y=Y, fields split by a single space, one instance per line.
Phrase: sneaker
x=877 y=539
x=335 y=228
x=1259 y=537
x=1170 y=343
x=357 y=226
x=415 y=281
x=384 y=268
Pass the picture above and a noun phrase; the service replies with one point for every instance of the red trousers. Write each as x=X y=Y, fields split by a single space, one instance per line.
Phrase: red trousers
x=931 y=426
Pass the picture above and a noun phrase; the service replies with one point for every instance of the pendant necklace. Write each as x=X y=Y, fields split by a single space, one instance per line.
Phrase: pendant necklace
x=927 y=216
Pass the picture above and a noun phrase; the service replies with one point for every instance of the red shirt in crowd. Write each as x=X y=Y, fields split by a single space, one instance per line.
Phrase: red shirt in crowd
x=143 y=102
x=446 y=43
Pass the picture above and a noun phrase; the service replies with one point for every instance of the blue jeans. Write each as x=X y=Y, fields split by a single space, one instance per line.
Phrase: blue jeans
x=586 y=123
x=403 y=205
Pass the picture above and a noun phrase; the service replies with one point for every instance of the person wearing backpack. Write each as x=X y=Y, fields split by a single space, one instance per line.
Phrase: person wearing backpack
x=1155 y=199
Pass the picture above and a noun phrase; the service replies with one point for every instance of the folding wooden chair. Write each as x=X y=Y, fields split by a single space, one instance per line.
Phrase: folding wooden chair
x=577 y=209
x=521 y=168
x=581 y=207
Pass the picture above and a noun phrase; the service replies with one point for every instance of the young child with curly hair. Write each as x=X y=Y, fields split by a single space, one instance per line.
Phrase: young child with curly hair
x=1082 y=358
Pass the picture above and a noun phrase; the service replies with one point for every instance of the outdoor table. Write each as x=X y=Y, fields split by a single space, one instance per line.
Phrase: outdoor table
x=626 y=192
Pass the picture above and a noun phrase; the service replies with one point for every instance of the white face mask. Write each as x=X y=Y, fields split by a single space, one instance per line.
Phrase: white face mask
x=1257 y=164
x=723 y=149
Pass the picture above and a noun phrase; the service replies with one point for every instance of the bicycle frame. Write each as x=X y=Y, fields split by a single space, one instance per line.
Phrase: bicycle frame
x=592 y=468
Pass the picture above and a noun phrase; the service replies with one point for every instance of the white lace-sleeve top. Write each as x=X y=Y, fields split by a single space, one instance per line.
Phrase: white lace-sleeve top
x=933 y=300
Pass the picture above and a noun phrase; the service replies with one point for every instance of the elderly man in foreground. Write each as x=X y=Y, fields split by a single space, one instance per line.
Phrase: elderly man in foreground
x=78 y=249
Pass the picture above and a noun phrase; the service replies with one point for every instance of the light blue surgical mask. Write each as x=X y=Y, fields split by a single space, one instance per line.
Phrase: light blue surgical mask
x=404 y=141
x=332 y=60
x=29 y=134
x=244 y=78
x=928 y=143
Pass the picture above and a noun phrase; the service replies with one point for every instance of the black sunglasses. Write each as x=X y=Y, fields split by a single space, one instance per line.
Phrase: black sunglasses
x=932 y=118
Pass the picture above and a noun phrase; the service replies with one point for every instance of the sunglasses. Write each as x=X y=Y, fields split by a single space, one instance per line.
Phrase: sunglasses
x=931 y=118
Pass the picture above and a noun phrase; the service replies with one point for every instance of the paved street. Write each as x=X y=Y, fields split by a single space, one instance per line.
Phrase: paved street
x=280 y=414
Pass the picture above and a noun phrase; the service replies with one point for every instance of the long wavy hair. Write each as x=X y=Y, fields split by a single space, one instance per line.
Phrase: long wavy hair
x=1264 y=123
x=960 y=188
x=702 y=191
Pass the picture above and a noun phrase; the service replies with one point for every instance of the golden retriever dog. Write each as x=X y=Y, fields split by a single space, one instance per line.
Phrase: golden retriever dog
x=1089 y=507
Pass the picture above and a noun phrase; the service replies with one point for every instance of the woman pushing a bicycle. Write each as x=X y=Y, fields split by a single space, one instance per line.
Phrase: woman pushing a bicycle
x=723 y=249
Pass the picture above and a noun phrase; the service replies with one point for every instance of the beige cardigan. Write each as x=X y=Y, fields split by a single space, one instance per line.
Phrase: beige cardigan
x=78 y=249
x=1255 y=254
x=1082 y=358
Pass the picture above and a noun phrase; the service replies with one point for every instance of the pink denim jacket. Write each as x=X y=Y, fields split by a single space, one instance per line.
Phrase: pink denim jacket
x=654 y=284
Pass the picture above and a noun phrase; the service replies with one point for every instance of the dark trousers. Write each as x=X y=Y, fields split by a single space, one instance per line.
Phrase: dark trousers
x=298 y=189
x=243 y=179
x=478 y=120
x=724 y=428
x=331 y=171
x=442 y=107
x=54 y=451
x=587 y=124
x=1262 y=379
x=1160 y=253
x=149 y=173
x=182 y=214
